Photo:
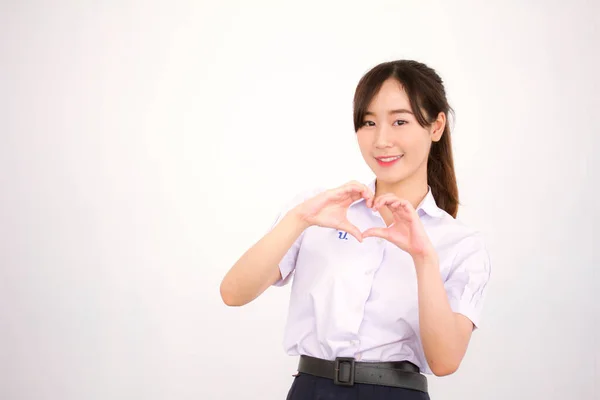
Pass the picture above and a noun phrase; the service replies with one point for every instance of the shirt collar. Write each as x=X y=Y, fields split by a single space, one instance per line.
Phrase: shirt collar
x=427 y=205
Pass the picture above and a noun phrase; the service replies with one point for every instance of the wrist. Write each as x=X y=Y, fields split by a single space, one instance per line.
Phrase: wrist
x=298 y=219
x=426 y=256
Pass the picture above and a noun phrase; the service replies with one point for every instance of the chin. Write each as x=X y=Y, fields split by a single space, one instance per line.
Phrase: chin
x=390 y=177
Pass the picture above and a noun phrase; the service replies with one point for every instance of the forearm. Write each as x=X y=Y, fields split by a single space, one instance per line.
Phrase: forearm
x=443 y=341
x=258 y=268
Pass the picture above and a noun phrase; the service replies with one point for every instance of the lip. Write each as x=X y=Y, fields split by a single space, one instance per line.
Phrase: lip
x=388 y=163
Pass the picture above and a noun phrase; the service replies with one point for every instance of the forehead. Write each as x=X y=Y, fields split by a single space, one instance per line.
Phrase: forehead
x=391 y=95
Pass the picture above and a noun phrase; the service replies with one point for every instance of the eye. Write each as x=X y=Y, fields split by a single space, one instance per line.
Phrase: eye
x=400 y=122
x=368 y=123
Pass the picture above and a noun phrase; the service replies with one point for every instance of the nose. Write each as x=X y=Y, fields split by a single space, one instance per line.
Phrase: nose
x=382 y=138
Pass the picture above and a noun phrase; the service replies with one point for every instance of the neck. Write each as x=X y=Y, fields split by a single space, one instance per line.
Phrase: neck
x=413 y=190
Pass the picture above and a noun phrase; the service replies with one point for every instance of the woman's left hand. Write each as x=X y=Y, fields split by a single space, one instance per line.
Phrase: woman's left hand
x=406 y=231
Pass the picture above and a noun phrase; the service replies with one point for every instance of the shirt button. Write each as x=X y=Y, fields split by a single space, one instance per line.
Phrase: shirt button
x=354 y=342
x=358 y=356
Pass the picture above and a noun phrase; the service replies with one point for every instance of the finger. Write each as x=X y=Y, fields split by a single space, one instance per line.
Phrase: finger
x=342 y=193
x=351 y=229
x=379 y=202
x=399 y=205
x=352 y=186
x=365 y=192
x=368 y=195
x=376 y=232
x=393 y=203
x=402 y=209
x=406 y=206
x=361 y=190
x=354 y=195
x=384 y=199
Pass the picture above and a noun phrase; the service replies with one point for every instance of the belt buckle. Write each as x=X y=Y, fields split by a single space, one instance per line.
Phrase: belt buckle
x=339 y=361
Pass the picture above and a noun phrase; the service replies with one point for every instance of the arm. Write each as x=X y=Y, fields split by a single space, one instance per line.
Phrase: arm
x=445 y=334
x=258 y=268
x=445 y=328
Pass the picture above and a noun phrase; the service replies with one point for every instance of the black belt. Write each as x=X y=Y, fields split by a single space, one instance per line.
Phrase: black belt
x=347 y=372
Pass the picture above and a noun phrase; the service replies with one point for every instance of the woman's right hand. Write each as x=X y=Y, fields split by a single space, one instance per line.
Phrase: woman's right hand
x=328 y=209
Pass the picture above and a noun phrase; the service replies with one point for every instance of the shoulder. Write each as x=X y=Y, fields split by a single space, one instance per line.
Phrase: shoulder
x=465 y=262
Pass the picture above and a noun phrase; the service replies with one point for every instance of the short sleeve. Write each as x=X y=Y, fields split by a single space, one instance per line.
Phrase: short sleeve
x=287 y=264
x=467 y=281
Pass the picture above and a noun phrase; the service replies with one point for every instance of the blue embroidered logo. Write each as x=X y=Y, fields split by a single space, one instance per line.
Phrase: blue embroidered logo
x=343 y=235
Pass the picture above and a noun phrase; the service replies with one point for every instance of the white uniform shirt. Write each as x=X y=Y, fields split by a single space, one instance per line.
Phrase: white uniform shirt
x=352 y=299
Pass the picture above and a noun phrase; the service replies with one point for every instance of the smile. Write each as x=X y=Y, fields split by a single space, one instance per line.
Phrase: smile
x=387 y=161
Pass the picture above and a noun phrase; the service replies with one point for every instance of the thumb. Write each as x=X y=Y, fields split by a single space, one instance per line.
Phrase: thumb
x=351 y=229
x=376 y=232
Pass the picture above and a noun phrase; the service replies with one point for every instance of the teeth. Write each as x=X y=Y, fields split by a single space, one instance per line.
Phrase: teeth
x=388 y=159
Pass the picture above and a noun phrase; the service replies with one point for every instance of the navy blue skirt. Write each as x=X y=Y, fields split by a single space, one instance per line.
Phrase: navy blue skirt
x=309 y=387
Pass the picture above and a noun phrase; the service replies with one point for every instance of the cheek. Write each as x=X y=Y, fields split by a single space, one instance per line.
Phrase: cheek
x=416 y=146
x=364 y=143
x=418 y=140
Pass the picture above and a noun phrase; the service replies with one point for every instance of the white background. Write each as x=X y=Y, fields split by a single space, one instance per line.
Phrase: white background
x=146 y=145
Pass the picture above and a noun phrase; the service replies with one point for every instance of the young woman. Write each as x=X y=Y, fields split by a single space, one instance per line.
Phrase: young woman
x=388 y=286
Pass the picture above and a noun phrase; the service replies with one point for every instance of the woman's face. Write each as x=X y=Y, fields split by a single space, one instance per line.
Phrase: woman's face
x=391 y=140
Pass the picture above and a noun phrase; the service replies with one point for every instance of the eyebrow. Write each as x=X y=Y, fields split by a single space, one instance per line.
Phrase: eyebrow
x=391 y=112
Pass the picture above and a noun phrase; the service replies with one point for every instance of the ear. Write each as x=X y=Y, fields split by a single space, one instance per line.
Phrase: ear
x=437 y=128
